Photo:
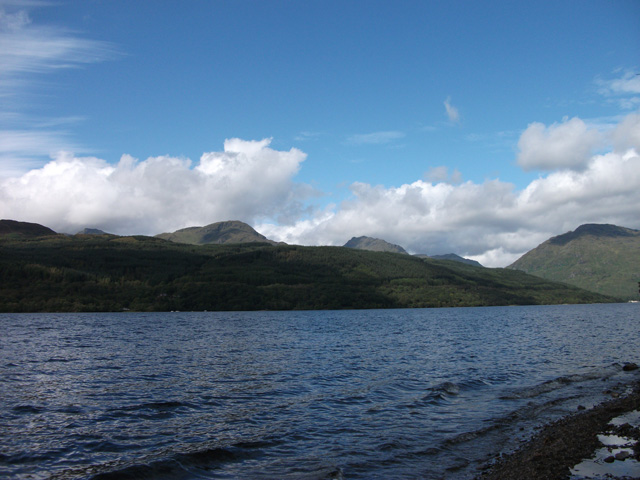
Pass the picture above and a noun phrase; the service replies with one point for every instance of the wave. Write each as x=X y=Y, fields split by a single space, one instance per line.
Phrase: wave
x=447 y=391
x=204 y=463
x=563 y=381
x=534 y=408
x=187 y=464
x=150 y=410
x=27 y=409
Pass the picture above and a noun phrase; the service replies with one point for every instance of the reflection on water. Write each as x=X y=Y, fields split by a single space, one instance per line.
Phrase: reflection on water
x=613 y=459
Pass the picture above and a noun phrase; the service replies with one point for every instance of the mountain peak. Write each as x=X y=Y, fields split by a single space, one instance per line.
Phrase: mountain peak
x=456 y=258
x=594 y=230
x=91 y=231
x=374 y=244
x=231 y=231
x=600 y=258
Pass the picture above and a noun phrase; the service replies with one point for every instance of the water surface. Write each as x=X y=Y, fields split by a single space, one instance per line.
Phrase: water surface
x=424 y=393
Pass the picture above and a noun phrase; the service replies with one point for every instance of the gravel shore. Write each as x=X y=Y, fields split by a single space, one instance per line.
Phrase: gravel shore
x=561 y=445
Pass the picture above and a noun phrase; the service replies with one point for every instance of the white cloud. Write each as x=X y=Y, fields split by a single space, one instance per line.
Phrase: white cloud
x=375 y=138
x=622 y=89
x=248 y=180
x=441 y=174
x=29 y=48
x=491 y=222
x=29 y=51
x=627 y=133
x=452 y=112
x=628 y=83
x=565 y=145
x=307 y=136
x=21 y=150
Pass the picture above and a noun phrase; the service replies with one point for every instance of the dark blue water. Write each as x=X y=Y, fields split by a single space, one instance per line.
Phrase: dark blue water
x=309 y=395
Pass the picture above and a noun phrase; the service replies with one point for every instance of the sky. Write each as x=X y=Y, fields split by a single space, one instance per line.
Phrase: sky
x=480 y=128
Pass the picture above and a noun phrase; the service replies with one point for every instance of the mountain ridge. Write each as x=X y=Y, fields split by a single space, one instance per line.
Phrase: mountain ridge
x=457 y=258
x=73 y=273
x=602 y=258
x=374 y=245
x=226 y=232
x=593 y=229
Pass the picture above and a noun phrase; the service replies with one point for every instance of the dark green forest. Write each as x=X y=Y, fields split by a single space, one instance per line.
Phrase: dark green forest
x=59 y=273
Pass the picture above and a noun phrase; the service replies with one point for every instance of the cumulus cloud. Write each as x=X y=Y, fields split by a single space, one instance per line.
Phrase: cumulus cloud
x=627 y=133
x=452 y=112
x=565 y=145
x=491 y=222
x=247 y=181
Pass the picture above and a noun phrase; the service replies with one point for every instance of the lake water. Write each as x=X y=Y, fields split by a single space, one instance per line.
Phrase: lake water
x=424 y=393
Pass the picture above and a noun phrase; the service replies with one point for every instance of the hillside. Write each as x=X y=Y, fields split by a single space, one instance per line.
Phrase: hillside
x=109 y=273
x=374 y=245
x=216 y=233
x=92 y=231
x=601 y=258
x=23 y=229
x=456 y=258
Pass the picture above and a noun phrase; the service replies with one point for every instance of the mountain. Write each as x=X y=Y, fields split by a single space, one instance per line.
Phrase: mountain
x=92 y=231
x=218 y=233
x=374 y=245
x=456 y=258
x=23 y=229
x=601 y=258
x=61 y=273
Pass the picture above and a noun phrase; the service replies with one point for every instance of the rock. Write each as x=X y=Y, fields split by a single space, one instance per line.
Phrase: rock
x=581 y=407
x=628 y=367
x=610 y=459
x=622 y=455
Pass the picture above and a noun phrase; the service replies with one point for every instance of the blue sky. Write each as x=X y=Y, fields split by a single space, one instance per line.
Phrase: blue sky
x=476 y=127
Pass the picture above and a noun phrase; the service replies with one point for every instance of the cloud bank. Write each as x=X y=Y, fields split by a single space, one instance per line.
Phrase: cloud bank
x=248 y=181
x=492 y=222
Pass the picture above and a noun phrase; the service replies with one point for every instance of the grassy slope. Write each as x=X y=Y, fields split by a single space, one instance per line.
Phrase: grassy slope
x=606 y=265
x=109 y=273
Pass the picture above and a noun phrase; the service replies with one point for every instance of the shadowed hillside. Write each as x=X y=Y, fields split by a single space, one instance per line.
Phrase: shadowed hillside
x=23 y=229
x=111 y=273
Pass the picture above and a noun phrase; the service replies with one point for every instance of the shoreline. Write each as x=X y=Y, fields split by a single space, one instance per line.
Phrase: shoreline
x=561 y=445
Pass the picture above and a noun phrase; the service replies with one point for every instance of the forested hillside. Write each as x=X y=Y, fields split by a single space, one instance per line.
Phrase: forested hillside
x=111 y=273
x=601 y=258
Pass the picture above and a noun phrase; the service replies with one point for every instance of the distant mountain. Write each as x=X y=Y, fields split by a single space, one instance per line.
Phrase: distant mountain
x=218 y=233
x=456 y=258
x=374 y=245
x=601 y=258
x=92 y=231
x=23 y=229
